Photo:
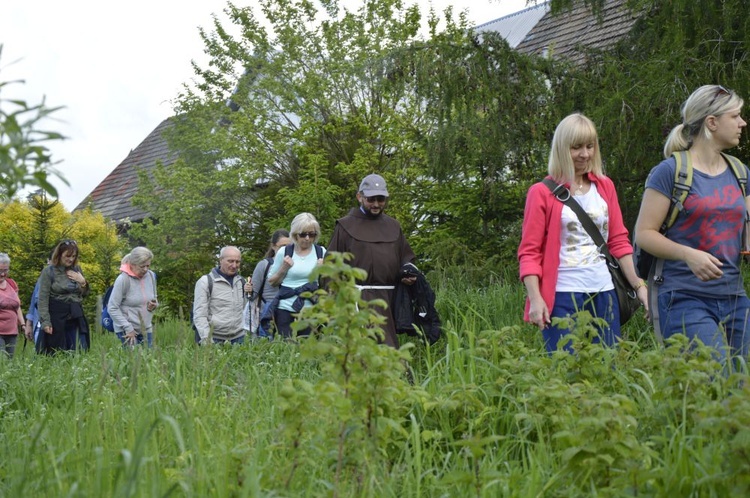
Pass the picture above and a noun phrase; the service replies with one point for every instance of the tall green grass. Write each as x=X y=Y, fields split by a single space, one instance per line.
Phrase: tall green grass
x=487 y=414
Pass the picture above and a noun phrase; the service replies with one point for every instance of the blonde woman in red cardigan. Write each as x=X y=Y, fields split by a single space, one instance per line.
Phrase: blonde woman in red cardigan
x=560 y=265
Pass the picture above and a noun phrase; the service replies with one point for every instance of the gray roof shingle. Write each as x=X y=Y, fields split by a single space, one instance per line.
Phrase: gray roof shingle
x=112 y=197
x=563 y=35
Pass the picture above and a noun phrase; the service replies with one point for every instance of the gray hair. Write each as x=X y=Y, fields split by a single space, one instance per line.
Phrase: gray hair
x=4 y=259
x=708 y=100
x=225 y=249
x=139 y=256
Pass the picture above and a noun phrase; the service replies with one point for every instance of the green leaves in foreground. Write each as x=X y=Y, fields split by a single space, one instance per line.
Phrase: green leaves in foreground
x=353 y=416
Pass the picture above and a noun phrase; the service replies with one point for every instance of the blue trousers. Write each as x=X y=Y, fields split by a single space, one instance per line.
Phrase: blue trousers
x=721 y=323
x=600 y=305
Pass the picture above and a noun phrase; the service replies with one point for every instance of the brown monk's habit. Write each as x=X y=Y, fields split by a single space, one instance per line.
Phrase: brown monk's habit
x=379 y=248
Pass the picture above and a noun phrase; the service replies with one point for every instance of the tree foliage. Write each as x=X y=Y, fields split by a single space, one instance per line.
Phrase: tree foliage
x=293 y=111
x=301 y=99
x=25 y=160
x=30 y=229
x=635 y=91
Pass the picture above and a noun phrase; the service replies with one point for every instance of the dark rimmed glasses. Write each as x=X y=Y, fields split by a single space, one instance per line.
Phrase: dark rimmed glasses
x=720 y=90
x=376 y=198
x=307 y=235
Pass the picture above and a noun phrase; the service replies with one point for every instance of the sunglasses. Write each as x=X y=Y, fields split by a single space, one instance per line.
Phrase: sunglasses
x=69 y=242
x=720 y=90
x=376 y=198
x=4 y=272
x=306 y=235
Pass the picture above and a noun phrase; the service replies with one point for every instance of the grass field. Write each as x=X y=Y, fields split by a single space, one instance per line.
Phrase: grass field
x=486 y=414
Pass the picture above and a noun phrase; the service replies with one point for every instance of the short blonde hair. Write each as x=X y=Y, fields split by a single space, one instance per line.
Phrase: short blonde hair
x=304 y=222
x=575 y=129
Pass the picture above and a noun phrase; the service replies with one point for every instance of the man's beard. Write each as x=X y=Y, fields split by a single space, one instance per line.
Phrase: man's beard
x=369 y=213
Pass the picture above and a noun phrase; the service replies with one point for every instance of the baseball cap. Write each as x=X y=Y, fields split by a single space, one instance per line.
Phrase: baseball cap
x=373 y=185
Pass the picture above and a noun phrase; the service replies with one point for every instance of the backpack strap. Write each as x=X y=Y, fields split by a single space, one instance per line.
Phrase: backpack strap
x=269 y=262
x=739 y=170
x=289 y=250
x=683 y=179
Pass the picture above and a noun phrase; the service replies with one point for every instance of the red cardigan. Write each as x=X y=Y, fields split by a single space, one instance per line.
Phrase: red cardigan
x=539 y=252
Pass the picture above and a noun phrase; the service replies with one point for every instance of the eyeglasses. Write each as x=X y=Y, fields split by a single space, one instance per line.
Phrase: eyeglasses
x=376 y=198
x=306 y=235
x=69 y=242
x=4 y=272
x=720 y=90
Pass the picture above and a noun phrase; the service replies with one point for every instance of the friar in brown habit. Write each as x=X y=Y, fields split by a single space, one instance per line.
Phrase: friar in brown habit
x=378 y=245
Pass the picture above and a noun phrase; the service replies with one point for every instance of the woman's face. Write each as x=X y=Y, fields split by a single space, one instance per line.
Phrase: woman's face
x=142 y=269
x=282 y=243
x=306 y=238
x=729 y=129
x=582 y=154
x=4 y=269
x=68 y=258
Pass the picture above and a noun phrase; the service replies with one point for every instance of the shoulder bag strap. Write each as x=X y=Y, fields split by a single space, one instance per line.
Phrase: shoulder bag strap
x=562 y=194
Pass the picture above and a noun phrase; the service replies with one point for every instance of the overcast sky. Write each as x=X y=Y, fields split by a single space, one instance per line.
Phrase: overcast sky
x=116 y=66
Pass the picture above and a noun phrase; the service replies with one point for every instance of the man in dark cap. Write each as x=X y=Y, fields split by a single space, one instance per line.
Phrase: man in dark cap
x=378 y=245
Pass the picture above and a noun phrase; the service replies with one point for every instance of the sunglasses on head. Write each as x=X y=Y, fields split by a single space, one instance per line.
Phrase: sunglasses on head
x=69 y=242
x=305 y=235
x=720 y=90
x=376 y=198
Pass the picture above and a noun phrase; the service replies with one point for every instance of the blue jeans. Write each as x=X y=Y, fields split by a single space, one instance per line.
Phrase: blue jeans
x=138 y=339
x=721 y=323
x=600 y=305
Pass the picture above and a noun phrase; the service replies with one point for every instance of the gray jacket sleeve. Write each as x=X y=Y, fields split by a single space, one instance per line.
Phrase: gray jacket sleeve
x=201 y=310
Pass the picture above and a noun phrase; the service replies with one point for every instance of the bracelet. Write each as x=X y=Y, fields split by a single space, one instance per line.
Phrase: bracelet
x=640 y=284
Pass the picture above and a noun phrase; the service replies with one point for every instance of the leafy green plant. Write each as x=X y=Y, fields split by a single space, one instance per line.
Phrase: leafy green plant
x=25 y=160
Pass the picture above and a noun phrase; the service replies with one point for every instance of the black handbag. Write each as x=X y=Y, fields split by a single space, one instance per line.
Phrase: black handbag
x=626 y=295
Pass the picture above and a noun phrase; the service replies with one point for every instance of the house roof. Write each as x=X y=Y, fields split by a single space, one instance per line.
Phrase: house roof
x=113 y=195
x=565 y=34
x=514 y=27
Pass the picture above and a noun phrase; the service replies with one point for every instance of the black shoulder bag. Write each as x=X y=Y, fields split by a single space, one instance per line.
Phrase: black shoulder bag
x=626 y=296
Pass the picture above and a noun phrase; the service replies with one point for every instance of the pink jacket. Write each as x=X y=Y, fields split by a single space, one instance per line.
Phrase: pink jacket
x=539 y=252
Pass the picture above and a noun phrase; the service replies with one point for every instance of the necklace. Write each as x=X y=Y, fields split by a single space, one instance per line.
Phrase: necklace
x=579 y=189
